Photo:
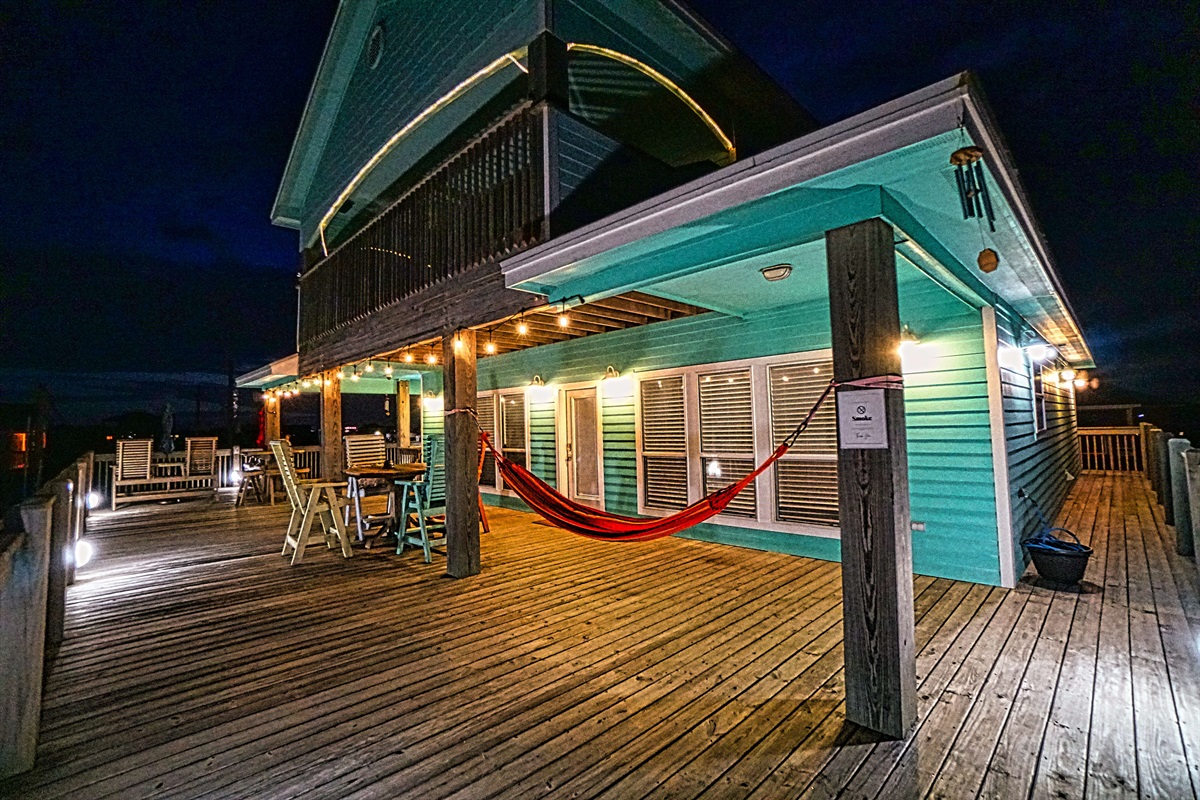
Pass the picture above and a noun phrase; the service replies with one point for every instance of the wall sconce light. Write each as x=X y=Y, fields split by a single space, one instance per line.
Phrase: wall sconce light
x=611 y=372
x=1040 y=352
x=776 y=272
x=537 y=381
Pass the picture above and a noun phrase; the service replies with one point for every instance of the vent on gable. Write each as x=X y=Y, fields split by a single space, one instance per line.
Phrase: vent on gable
x=375 y=47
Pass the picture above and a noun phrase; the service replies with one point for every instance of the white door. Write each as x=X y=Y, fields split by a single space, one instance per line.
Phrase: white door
x=582 y=452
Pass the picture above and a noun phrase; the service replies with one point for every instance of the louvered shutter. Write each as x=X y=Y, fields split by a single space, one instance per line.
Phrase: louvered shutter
x=664 y=443
x=726 y=433
x=486 y=413
x=513 y=435
x=806 y=478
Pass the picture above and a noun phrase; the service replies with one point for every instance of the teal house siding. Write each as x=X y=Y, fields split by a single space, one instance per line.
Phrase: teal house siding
x=619 y=423
x=543 y=461
x=950 y=458
x=1039 y=463
x=428 y=49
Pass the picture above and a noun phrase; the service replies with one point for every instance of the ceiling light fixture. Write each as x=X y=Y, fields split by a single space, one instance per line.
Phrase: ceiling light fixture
x=776 y=272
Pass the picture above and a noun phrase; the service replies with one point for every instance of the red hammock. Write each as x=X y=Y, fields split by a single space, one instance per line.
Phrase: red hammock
x=595 y=524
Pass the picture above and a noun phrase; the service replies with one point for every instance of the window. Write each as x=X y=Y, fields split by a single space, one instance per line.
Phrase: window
x=664 y=444
x=727 y=437
x=485 y=412
x=1039 y=400
x=705 y=428
x=502 y=415
x=375 y=47
x=514 y=433
x=805 y=478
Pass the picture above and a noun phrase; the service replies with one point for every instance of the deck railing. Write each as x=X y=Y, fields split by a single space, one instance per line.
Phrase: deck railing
x=484 y=202
x=37 y=562
x=305 y=457
x=1118 y=449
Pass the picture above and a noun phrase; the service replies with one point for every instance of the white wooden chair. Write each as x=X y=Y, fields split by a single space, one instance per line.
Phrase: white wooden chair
x=200 y=464
x=312 y=501
x=133 y=470
x=366 y=450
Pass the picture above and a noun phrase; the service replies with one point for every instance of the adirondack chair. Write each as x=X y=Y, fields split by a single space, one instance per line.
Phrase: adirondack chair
x=200 y=463
x=312 y=501
x=133 y=469
x=430 y=498
x=366 y=450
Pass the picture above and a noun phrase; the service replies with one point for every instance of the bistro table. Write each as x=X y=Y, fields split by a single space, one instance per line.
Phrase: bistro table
x=394 y=474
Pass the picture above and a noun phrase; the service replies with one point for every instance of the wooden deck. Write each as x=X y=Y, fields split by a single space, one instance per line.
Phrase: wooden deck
x=198 y=664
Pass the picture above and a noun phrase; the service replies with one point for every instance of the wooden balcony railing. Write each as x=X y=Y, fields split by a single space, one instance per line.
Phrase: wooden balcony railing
x=483 y=203
x=1118 y=449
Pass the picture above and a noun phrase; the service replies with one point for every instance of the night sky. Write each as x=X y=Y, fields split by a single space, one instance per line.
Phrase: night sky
x=143 y=144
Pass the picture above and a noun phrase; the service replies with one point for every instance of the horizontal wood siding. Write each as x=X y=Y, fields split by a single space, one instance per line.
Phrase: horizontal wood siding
x=951 y=478
x=428 y=49
x=950 y=459
x=619 y=421
x=542 y=453
x=1039 y=463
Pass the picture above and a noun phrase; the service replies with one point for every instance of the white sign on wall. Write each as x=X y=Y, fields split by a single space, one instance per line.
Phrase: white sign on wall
x=861 y=421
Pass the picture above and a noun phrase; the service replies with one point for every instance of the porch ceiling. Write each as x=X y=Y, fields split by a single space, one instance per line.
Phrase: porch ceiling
x=541 y=326
x=892 y=162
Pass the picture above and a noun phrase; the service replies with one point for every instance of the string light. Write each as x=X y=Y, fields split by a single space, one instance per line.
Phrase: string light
x=369 y=368
x=354 y=376
x=563 y=320
x=408 y=358
x=431 y=359
x=388 y=370
x=490 y=347
x=522 y=328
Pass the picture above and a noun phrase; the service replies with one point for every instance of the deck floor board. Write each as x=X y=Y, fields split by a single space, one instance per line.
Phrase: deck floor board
x=197 y=663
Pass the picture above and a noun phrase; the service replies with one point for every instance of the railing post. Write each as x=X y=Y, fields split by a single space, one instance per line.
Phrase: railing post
x=23 y=586
x=1144 y=446
x=1181 y=513
x=62 y=490
x=1191 y=467
x=1162 y=474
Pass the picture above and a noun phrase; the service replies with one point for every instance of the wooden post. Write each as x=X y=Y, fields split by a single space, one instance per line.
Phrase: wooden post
x=1144 y=445
x=1181 y=512
x=403 y=421
x=23 y=586
x=61 y=555
x=1191 y=463
x=1152 y=460
x=331 y=427
x=877 y=577
x=462 y=437
x=1162 y=474
x=272 y=422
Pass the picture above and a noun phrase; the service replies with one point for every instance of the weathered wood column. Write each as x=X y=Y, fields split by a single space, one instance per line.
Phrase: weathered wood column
x=331 y=426
x=1191 y=463
x=1162 y=473
x=462 y=436
x=403 y=421
x=877 y=577
x=272 y=423
x=1181 y=508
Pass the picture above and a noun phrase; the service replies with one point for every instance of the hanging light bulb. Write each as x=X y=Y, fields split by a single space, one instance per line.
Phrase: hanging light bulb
x=354 y=376
x=306 y=383
x=563 y=319
x=388 y=370
x=490 y=348
x=341 y=375
x=369 y=368
x=328 y=382
x=522 y=328
x=1067 y=375
x=431 y=359
x=408 y=358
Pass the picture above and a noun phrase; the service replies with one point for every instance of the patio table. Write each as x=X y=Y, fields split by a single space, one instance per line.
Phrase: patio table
x=394 y=474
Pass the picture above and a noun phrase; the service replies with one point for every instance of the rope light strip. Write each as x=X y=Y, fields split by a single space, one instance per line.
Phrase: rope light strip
x=667 y=83
x=489 y=70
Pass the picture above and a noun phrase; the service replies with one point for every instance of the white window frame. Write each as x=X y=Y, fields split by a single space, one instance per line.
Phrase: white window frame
x=492 y=396
x=763 y=446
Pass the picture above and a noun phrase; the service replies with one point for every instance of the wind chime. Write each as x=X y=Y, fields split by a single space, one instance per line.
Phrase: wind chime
x=974 y=198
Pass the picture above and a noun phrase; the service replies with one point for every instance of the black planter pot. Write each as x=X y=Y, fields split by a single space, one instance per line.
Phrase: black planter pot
x=1060 y=566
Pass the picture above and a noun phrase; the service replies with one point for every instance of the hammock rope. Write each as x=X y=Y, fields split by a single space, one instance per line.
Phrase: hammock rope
x=593 y=523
